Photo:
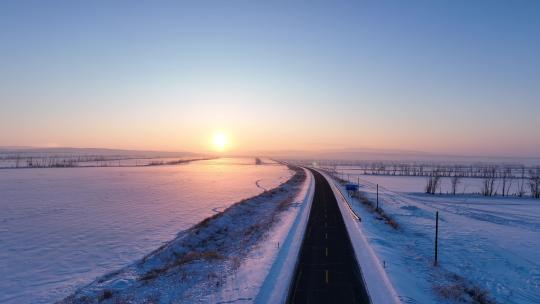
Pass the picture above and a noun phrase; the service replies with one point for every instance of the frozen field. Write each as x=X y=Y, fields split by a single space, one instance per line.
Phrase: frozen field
x=492 y=243
x=61 y=228
x=417 y=184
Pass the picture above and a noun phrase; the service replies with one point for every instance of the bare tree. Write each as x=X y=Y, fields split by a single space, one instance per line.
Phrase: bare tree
x=534 y=182
x=521 y=183
x=433 y=182
x=506 y=180
x=488 y=184
x=454 y=180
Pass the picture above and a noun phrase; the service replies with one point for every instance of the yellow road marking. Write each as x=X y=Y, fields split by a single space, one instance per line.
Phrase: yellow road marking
x=326 y=272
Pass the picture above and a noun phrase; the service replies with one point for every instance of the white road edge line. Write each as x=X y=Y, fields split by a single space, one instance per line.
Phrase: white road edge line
x=378 y=284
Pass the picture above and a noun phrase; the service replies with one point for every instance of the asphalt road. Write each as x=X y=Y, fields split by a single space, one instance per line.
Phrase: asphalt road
x=327 y=271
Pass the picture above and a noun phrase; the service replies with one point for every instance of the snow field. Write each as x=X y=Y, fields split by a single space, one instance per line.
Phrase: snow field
x=203 y=263
x=61 y=228
x=485 y=244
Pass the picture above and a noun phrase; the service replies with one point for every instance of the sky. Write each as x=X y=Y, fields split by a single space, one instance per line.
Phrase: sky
x=451 y=77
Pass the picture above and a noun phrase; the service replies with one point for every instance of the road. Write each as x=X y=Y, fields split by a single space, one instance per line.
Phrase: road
x=327 y=271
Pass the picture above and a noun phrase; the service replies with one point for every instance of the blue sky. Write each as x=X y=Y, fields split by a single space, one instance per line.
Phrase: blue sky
x=458 y=77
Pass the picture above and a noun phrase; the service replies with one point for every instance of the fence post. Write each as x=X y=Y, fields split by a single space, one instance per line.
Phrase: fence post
x=377 y=196
x=436 y=237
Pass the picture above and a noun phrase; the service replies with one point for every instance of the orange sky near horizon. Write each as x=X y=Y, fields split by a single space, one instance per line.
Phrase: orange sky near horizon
x=252 y=132
x=429 y=77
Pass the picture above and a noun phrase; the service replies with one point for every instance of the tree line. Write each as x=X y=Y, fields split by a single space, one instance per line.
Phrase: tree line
x=494 y=179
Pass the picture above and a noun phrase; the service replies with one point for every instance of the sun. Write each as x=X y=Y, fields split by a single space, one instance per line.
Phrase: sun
x=220 y=141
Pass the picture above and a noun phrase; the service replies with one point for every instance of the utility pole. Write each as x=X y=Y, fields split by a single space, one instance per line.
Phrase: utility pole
x=436 y=236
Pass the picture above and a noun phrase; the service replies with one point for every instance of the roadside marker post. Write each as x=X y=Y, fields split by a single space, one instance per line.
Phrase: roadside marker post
x=377 y=196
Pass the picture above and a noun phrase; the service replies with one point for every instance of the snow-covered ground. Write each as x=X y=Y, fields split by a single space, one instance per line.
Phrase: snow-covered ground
x=492 y=243
x=11 y=158
x=61 y=228
x=119 y=161
x=418 y=183
x=222 y=259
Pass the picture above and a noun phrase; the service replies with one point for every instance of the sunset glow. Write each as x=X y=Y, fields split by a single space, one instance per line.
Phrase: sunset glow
x=220 y=141
x=372 y=78
x=184 y=151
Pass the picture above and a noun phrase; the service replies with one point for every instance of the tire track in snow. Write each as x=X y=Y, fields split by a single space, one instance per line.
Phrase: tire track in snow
x=259 y=186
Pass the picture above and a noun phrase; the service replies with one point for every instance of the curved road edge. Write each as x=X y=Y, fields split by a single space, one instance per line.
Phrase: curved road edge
x=275 y=287
x=379 y=286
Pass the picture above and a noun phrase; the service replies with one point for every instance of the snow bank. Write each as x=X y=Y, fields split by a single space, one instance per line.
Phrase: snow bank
x=276 y=285
x=379 y=287
x=488 y=246
x=61 y=228
x=198 y=265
